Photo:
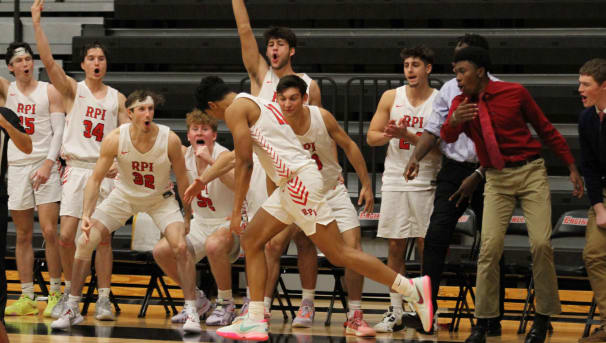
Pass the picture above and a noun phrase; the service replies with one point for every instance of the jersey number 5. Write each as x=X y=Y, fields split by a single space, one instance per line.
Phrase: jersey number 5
x=28 y=124
x=89 y=131
x=144 y=180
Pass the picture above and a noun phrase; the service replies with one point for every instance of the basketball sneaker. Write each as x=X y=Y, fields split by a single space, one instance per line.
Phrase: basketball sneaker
x=421 y=301
x=60 y=306
x=223 y=313
x=305 y=315
x=53 y=300
x=69 y=317
x=192 y=321
x=103 y=309
x=392 y=321
x=247 y=329
x=202 y=306
x=22 y=307
x=244 y=312
x=356 y=325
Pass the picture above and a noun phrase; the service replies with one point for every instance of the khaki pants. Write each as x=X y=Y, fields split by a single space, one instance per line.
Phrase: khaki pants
x=529 y=185
x=594 y=255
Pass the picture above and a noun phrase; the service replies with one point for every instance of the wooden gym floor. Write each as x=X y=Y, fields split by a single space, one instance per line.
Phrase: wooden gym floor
x=157 y=327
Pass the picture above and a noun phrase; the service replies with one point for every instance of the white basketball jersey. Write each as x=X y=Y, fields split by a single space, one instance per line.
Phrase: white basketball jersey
x=270 y=83
x=400 y=151
x=87 y=123
x=34 y=112
x=215 y=200
x=275 y=143
x=143 y=175
x=320 y=145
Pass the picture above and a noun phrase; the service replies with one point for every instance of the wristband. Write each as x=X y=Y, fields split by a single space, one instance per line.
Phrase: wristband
x=479 y=173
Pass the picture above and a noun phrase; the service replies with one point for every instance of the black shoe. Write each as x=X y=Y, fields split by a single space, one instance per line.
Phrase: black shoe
x=478 y=332
x=538 y=331
x=494 y=327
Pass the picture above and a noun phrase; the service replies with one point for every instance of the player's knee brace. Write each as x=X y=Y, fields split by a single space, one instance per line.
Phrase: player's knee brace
x=85 y=246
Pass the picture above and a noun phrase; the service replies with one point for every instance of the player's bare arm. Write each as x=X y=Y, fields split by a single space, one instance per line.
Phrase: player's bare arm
x=228 y=178
x=255 y=64
x=64 y=84
x=237 y=117
x=354 y=155
x=57 y=124
x=177 y=161
x=122 y=112
x=4 y=83
x=315 y=95
x=22 y=140
x=223 y=164
x=376 y=135
x=109 y=150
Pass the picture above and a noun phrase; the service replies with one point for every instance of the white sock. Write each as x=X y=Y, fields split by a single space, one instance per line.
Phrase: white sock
x=68 y=287
x=225 y=295
x=55 y=285
x=267 y=303
x=190 y=304
x=354 y=305
x=405 y=287
x=308 y=294
x=73 y=301
x=256 y=310
x=396 y=301
x=248 y=292
x=27 y=289
x=104 y=292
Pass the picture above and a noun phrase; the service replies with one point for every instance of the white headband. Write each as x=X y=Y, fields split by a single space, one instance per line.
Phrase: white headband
x=146 y=101
x=18 y=53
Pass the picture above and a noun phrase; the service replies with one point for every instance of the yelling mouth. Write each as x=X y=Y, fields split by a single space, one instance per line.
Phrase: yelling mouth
x=97 y=70
x=200 y=142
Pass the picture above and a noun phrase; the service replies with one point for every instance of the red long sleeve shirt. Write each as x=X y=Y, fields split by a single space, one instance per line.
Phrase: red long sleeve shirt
x=510 y=107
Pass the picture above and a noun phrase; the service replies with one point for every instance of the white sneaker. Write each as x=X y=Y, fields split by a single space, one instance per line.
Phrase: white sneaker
x=192 y=322
x=421 y=301
x=246 y=330
x=103 y=309
x=68 y=318
x=202 y=306
x=392 y=321
x=60 y=307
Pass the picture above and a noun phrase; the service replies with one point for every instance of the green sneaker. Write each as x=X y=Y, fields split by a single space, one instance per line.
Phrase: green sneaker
x=53 y=299
x=22 y=307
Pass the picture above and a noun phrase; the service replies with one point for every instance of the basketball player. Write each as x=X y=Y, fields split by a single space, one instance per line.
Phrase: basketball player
x=93 y=110
x=405 y=206
x=33 y=179
x=145 y=153
x=280 y=45
x=209 y=233
x=299 y=198
x=318 y=131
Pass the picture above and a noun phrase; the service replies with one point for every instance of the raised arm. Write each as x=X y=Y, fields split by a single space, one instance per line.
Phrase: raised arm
x=122 y=113
x=255 y=64
x=376 y=135
x=354 y=155
x=64 y=84
x=236 y=118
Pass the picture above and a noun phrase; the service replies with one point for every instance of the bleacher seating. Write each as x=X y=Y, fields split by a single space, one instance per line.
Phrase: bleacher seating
x=349 y=50
x=80 y=8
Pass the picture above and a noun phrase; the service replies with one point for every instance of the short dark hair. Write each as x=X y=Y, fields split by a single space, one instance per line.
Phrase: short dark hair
x=595 y=68
x=473 y=39
x=10 y=51
x=476 y=55
x=422 y=52
x=291 y=81
x=281 y=32
x=211 y=88
x=142 y=94
x=93 y=45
